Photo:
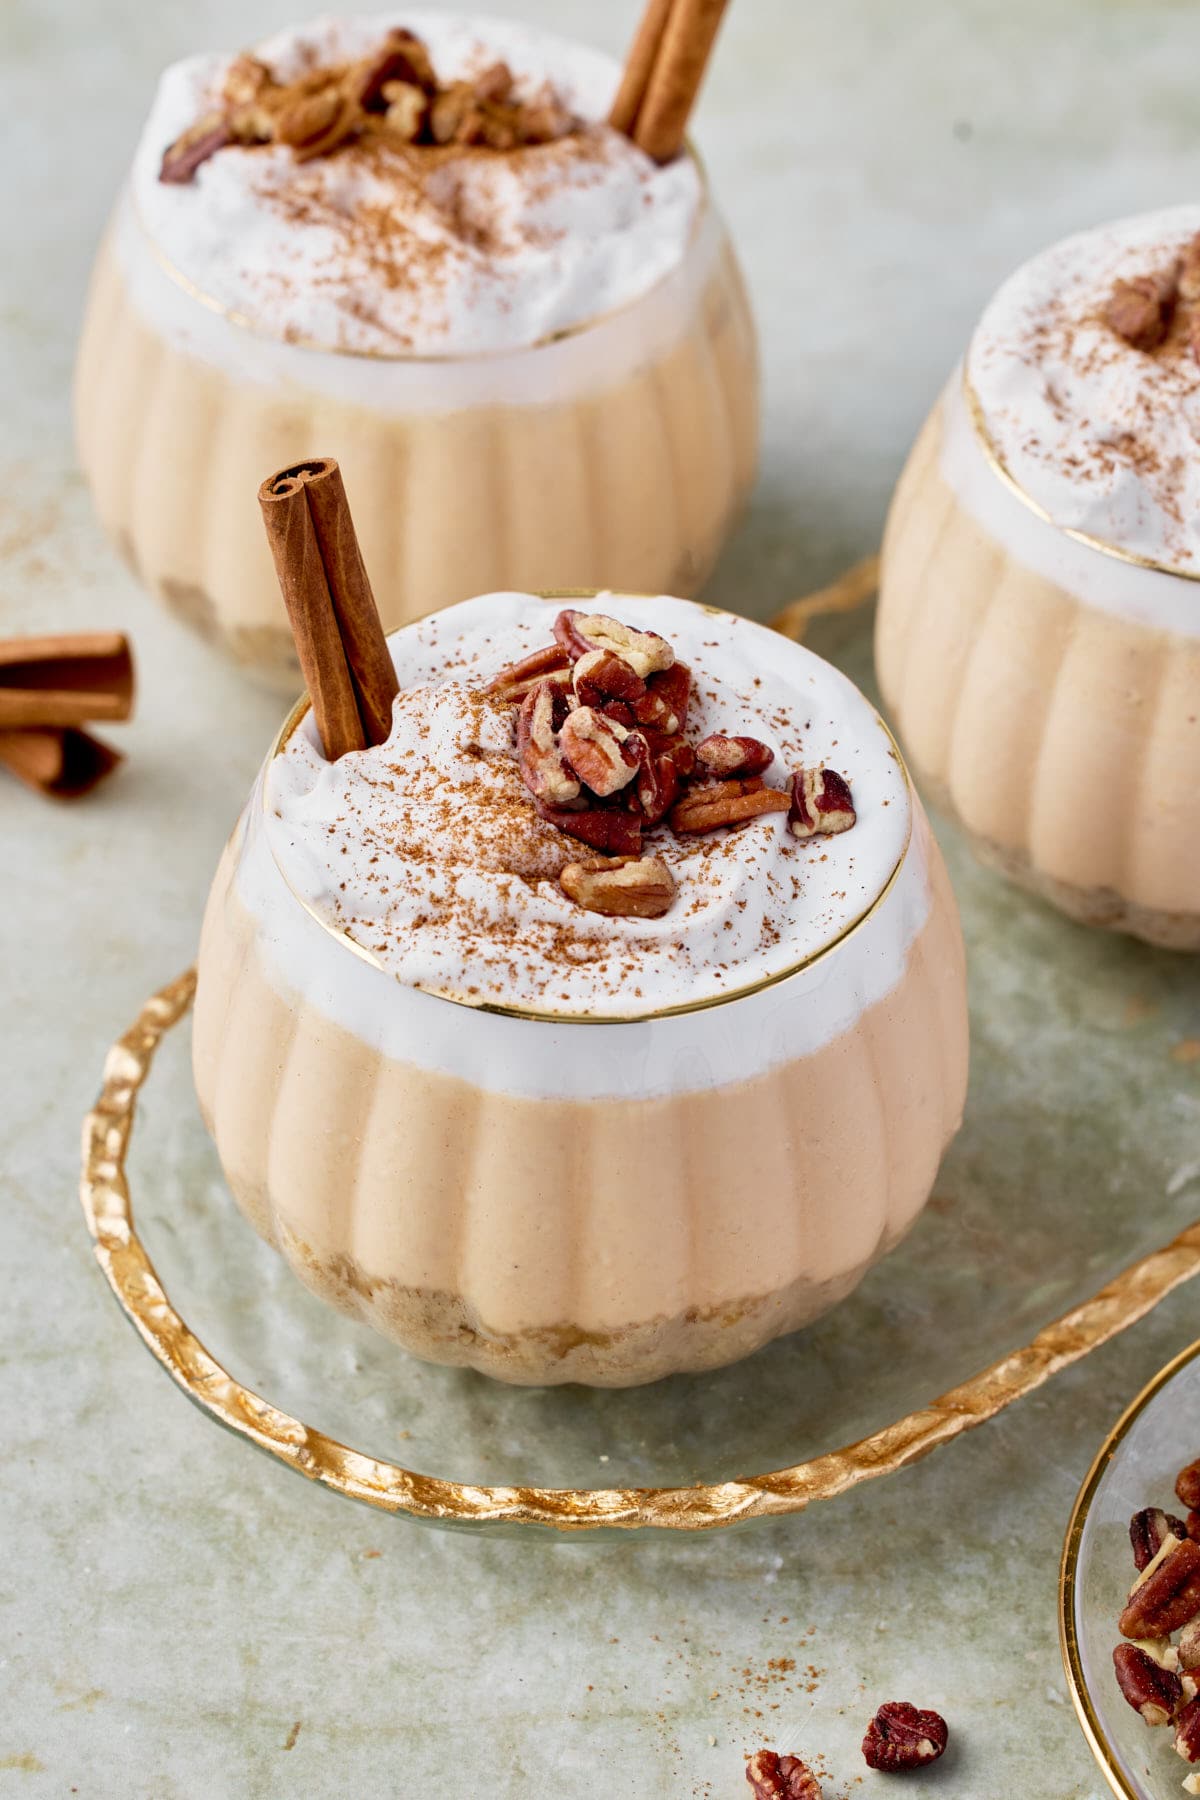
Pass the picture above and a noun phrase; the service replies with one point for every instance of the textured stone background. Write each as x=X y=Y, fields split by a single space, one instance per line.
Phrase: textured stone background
x=181 y=1618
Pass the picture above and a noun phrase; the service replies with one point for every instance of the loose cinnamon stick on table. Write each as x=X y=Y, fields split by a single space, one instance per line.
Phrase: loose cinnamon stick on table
x=663 y=73
x=61 y=763
x=66 y=680
x=339 y=638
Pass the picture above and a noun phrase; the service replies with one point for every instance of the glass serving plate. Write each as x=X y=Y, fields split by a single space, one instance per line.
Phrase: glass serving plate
x=1136 y=1467
x=1077 y=1158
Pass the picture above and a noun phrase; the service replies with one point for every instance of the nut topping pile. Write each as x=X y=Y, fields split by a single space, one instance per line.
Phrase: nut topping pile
x=1148 y=309
x=393 y=95
x=601 y=747
x=1159 y=1677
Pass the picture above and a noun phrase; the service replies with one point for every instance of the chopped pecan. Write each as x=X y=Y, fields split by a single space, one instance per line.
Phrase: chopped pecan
x=629 y=887
x=605 y=828
x=726 y=803
x=1150 y=1689
x=1149 y=1529
x=621 y=711
x=182 y=158
x=1189 y=1646
x=401 y=57
x=246 y=79
x=544 y=769
x=725 y=756
x=900 y=1738
x=664 y=706
x=645 y=651
x=821 y=803
x=596 y=748
x=495 y=83
x=1139 y=311
x=455 y=115
x=1187 y=1732
x=1187 y=1484
x=314 y=124
x=658 y=781
x=545 y=119
x=1167 y=1595
x=775 y=1777
x=514 y=680
x=601 y=676
x=407 y=109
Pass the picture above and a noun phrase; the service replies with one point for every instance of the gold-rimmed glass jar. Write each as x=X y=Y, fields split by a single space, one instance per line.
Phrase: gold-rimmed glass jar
x=1043 y=669
x=618 y=449
x=598 y=1190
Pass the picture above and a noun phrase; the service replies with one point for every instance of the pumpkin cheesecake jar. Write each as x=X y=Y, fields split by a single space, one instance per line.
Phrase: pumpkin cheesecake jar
x=606 y=1021
x=1038 y=636
x=417 y=245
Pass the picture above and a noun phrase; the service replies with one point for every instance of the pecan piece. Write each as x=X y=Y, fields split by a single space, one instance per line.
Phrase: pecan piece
x=194 y=146
x=665 y=703
x=1150 y=1689
x=1149 y=1530
x=514 y=680
x=407 y=109
x=246 y=79
x=645 y=651
x=494 y=84
x=1187 y=1732
x=1189 y=1646
x=455 y=116
x=401 y=57
x=314 y=124
x=821 y=803
x=1187 y=1484
x=900 y=1738
x=1139 y=311
x=600 y=675
x=658 y=781
x=725 y=756
x=626 y=887
x=1189 y=271
x=544 y=769
x=596 y=749
x=726 y=803
x=775 y=1777
x=605 y=828
x=1168 y=1594
x=544 y=120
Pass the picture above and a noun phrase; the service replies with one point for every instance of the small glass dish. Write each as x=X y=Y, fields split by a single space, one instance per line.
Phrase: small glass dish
x=1136 y=1466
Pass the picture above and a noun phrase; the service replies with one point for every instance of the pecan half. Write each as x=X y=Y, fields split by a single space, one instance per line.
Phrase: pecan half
x=628 y=887
x=194 y=146
x=600 y=675
x=1149 y=1530
x=1167 y=1596
x=308 y=117
x=645 y=651
x=775 y=1777
x=727 y=756
x=821 y=803
x=401 y=57
x=1140 y=311
x=606 y=828
x=1187 y=1732
x=658 y=781
x=1149 y=1688
x=726 y=803
x=515 y=679
x=596 y=748
x=1187 y=1484
x=544 y=769
x=665 y=703
x=900 y=1738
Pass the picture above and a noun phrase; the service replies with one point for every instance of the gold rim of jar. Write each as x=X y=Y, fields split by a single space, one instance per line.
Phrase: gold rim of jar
x=541 y=1015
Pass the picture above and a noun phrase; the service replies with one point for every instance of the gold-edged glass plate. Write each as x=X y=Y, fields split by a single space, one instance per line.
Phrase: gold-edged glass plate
x=1136 y=1467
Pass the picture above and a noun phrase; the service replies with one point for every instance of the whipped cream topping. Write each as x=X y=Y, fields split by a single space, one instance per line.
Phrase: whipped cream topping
x=410 y=250
x=1100 y=436
x=427 y=852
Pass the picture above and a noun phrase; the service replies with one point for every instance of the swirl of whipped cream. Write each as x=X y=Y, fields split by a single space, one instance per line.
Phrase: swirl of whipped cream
x=1100 y=436
x=404 y=252
x=427 y=853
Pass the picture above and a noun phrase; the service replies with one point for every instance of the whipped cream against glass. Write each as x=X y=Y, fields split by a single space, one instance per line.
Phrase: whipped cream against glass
x=407 y=250
x=428 y=854
x=1100 y=435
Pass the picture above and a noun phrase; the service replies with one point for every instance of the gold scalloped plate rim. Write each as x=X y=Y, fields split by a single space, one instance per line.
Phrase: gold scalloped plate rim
x=108 y=1209
x=1068 y=1636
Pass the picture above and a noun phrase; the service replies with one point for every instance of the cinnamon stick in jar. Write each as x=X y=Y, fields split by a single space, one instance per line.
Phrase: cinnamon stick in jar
x=688 y=37
x=339 y=638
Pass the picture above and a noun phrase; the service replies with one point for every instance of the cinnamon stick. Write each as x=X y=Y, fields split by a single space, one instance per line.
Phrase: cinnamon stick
x=635 y=79
x=339 y=638
x=62 y=764
x=675 y=80
x=65 y=680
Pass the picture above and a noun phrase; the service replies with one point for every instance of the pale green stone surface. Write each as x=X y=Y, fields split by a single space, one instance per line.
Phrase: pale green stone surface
x=171 y=1605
